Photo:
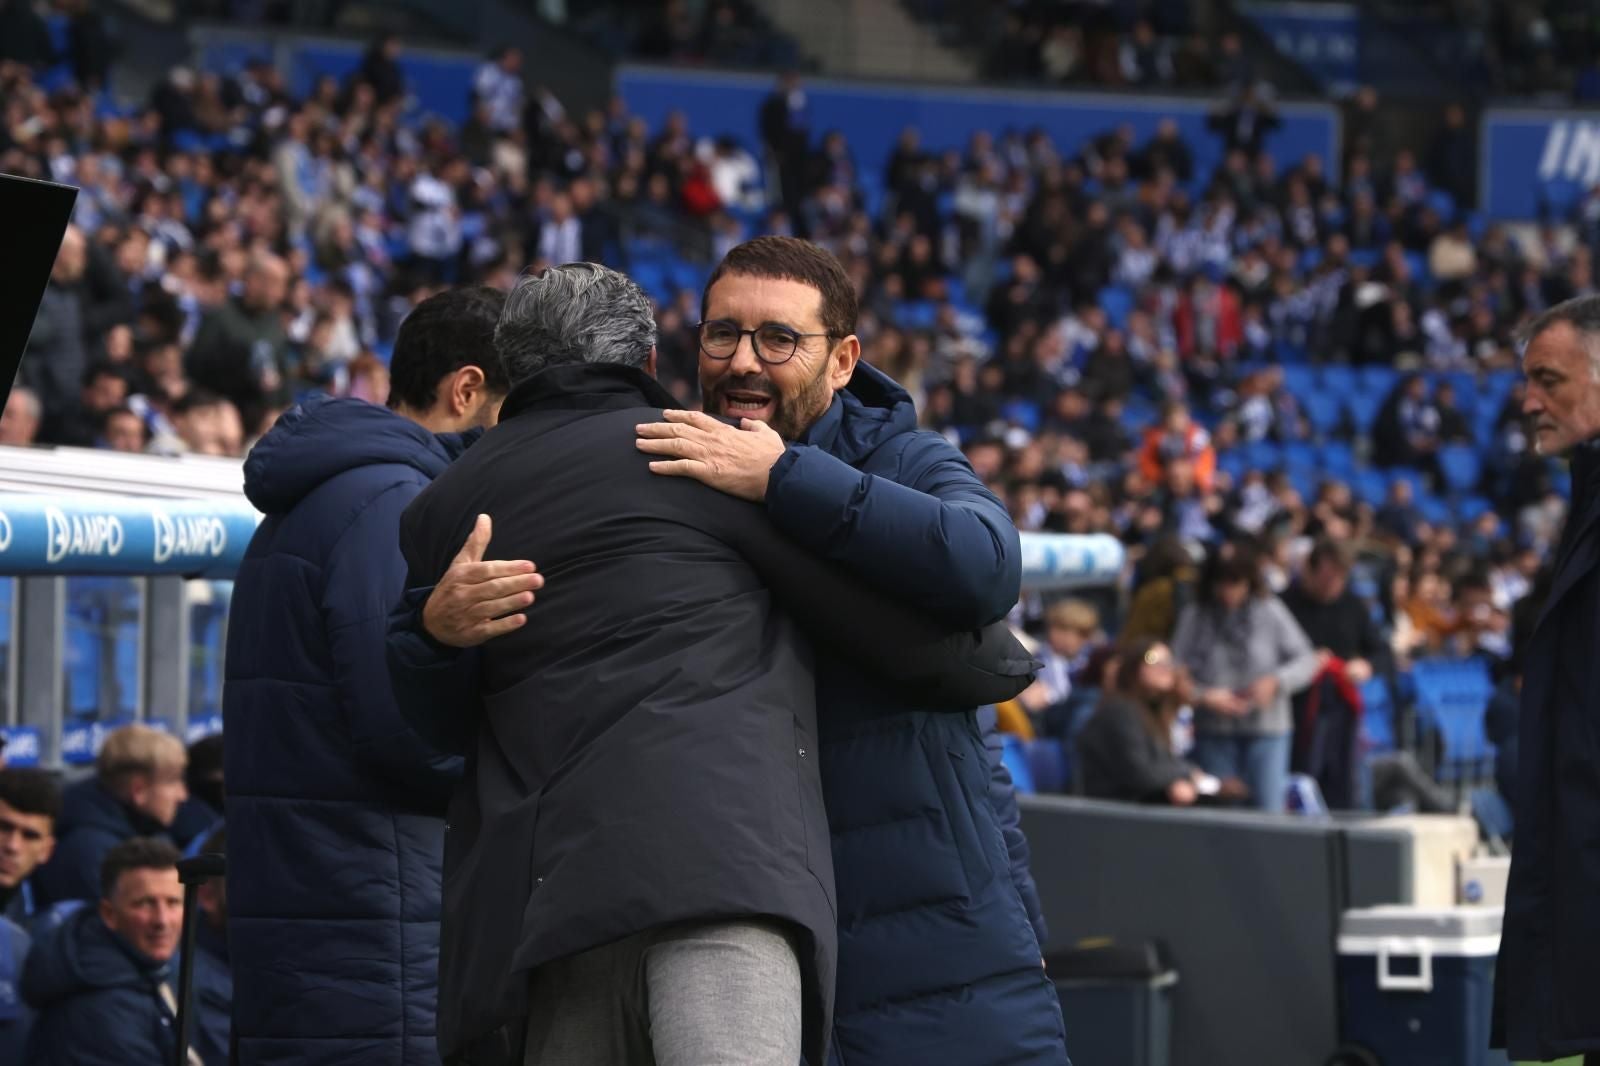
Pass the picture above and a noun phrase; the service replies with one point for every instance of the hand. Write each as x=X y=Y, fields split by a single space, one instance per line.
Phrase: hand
x=1181 y=793
x=1223 y=701
x=1359 y=671
x=737 y=461
x=474 y=600
x=1036 y=698
x=1233 y=790
x=1263 y=690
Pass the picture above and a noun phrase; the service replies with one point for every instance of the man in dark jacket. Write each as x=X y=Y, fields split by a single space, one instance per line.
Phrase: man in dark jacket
x=30 y=805
x=938 y=956
x=659 y=677
x=135 y=791
x=16 y=1018
x=335 y=808
x=101 y=979
x=1550 y=949
x=240 y=351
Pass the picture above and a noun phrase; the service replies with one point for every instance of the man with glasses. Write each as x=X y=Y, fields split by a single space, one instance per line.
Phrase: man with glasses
x=938 y=920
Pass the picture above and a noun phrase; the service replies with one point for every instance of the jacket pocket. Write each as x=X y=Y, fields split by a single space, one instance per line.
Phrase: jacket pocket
x=952 y=769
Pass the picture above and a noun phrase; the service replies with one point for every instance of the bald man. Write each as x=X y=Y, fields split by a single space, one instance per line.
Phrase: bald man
x=240 y=351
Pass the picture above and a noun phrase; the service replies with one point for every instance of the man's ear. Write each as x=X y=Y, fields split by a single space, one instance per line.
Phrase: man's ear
x=650 y=362
x=466 y=388
x=842 y=362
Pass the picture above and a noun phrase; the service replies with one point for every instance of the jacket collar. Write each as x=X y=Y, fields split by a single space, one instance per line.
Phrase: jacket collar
x=871 y=409
x=1575 y=557
x=586 y=386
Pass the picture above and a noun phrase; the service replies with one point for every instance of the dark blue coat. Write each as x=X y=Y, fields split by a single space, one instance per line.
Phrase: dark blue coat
x=212 y=995
x=16 y=1019
x=93 y=821
x=98 y=1001
x=939 y=930
x=335 y=808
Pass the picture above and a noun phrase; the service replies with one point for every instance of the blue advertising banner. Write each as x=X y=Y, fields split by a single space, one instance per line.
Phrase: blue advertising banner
x=1068 y=561
x=1536 y=164
x=83 y=535
x=22 y=745
x=1325 y=39
x=871 y=115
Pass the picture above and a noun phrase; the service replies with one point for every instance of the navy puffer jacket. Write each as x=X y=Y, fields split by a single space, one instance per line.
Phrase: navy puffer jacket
x=939 y=930
x=335 y=808
x=93 y=821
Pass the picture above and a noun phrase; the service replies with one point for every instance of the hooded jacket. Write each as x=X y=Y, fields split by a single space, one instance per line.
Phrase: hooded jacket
x=98 y=1001
x=335 y=808
x=939 y=930
x=93 y=821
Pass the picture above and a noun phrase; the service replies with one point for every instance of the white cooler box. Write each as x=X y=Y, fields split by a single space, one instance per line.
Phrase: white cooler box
x=1417 y=984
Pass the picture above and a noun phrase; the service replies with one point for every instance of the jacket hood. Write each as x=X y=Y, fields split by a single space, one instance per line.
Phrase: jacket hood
x=89 y=806
x=867 y=412
x=80 y=954
x=323 y=437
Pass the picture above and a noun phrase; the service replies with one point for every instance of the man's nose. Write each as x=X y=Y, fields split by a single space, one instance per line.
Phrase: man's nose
x=1533 y=403
x=744 y=359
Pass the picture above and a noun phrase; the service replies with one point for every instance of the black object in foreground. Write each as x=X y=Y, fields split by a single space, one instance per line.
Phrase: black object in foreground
x=193 y=873
x=34 y=217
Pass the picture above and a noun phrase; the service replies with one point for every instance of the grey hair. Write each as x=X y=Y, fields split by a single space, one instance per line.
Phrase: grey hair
x=1582 y=313
x=576 y=313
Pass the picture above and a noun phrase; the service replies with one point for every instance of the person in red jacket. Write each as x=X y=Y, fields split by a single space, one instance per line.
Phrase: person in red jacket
x=1178 y=437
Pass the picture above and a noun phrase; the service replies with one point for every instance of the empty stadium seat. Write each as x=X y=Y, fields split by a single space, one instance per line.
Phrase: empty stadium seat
x=1337 y=458
x=1363 y=408
x=1369 y=486
x=1117 y=302
x=1451 y=697
x=1324 y=411
x=1262 y=455
x=1471 y=508
x=1015 y=758
x=1461 y=466
x=1377 y=718
x=1378 y=379
x=1337 y=379
x=1050 y=764
x=1299 y=455
x=1301 y=381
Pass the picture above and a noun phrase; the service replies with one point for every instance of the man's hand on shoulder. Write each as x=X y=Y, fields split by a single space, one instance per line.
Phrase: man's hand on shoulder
x=477 y=601
x=735 y=460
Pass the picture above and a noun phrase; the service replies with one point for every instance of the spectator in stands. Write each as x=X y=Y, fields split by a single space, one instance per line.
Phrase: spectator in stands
x=1125 y=750
x=785 y=121
x=1247 y=656
x=122 y=430
x=498 y=85
x=206 y=424
x=1550 y=950
x=135 y=791
x=335 y=807
x=202 y=811
x=82 y=424
x=19 y=424
x=56 y=357
x=380 y=70
x=1178 y=437
x=241 y=349
x=1167 y=584
x=101 y=980
x=30 y=806
x=1334 y=619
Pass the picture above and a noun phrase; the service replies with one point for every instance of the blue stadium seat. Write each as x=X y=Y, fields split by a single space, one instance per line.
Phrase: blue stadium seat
x=1461 y=466
x=1411 y=476
x=1263 y=455
x=1337 y=379
x=1050 y=764
x=1378 y=379
x=1289 y=352
x=1337 y=458
x=1299 y=455
x=1434 y=511
x=1016 y=763
x=1451 y=697
x=1377 y=720
x=1323 y=410
x=1024 y=413
x=1369 y=486
x=1471 y=508
x=1445 y=204
x=1117 y=302
x=1301 y=381
x=916 y=314
x=1234 y=463
x=1363 y=408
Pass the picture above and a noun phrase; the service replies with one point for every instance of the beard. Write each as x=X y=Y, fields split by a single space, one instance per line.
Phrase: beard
x=791 y=415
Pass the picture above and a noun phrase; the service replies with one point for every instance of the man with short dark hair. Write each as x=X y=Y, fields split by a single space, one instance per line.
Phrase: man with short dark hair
x=104 y=389
x=1333 y=617
x=30 y=804
x=335 y=807
x=136 y=790
x=101 y=979
x=1549 y=964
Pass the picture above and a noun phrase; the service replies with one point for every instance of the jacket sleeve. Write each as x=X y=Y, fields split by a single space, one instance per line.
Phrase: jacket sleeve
x=935 y=538
x=435 y=685
x=1297 y=659
x=365 y=577
x=1003 y=798
x=953 y=668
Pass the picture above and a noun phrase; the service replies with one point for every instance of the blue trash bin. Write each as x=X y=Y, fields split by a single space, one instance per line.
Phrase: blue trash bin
x=1418 y=984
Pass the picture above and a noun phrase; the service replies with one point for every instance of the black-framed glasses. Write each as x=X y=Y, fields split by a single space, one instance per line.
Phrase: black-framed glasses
x=773 y=344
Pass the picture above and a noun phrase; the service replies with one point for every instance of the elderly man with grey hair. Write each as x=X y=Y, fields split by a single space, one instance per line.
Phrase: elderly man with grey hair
x=638 y=866
x=1549 y=972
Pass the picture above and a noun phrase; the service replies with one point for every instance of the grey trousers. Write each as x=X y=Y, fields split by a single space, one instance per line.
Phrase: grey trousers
x=711 y=994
